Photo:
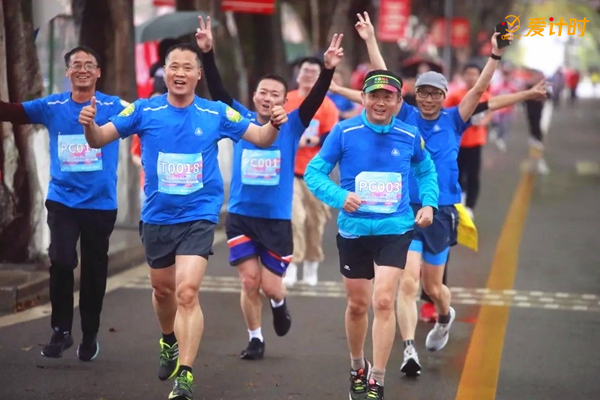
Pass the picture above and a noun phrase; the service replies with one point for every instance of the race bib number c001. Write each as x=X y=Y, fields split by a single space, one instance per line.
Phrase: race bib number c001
x=380 y=192
x=76 y=155
x=179 y=174
x=261 y=167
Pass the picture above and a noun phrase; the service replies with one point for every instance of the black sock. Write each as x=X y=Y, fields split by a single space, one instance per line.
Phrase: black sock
x=444 y=319
x=184 y=368
x=169 y=338
x=408 y=343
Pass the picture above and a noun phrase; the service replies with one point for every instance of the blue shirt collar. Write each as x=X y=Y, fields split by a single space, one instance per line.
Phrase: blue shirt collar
x=378 y=128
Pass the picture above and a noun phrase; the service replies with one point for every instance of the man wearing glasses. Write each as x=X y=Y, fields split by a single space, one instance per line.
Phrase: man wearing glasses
x=81 y=201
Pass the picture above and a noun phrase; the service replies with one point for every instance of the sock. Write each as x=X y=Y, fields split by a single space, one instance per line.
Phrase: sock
x=444 y=319
x=276 y=304
x=184 y=368
x=378 y=375
x=169 y=338
x=358 y=363
x=408 y=343
x=256 y=334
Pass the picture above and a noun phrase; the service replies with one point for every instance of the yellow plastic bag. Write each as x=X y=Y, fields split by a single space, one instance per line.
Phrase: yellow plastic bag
x=467 y=231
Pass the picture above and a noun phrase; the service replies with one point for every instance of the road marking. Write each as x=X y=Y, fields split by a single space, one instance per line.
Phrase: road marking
x=479 y=379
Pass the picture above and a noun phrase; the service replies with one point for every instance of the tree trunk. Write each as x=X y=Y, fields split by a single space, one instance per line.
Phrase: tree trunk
x=107 y=27
x=21 y=198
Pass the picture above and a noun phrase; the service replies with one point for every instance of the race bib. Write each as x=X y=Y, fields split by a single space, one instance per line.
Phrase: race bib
x=380 y=191
x=179 y=173
x=261 y=167
x=76 y=155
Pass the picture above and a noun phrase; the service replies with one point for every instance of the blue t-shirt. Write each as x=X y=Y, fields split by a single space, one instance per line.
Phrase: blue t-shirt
x=262 y=180
x=342 y=103
x=183 y=181
x=80 y=177
x=442 y=140
x=375 y=165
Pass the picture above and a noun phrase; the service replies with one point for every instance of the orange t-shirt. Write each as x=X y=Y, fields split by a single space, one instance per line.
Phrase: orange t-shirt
x=326 y=117
x=475 y=135
x=136 y=149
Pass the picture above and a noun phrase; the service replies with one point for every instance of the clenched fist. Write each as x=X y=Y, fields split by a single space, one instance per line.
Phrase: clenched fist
x=88 y=113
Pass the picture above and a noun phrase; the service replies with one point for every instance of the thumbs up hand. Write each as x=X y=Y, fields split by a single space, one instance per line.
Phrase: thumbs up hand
x=278 y=115
x=88 y=113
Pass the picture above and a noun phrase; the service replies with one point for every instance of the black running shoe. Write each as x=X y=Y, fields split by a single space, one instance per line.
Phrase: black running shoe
x=88 y=349
x=282 y=320
x=375 y=391
x=254 y=351
x=59 y=342
x=359 y=382
x=182 y=389
x=169 y=361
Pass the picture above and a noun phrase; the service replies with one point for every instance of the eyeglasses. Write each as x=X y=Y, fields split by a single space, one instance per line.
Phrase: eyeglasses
x=87 y=66
x=434 y=95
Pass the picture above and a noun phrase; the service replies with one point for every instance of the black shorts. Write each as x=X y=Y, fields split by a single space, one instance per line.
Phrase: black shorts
x=357 y=256
x=269 y=239
x=164 y=242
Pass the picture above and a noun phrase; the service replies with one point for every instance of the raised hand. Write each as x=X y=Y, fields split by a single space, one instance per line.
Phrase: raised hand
x=539 y=91
x=278 y=115
x=495 y=50
x=364 y=27
x=88 y=113
x=333 y=55
x=204 y=37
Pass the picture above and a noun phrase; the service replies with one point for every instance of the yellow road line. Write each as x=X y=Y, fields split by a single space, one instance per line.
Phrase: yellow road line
x=479 y=377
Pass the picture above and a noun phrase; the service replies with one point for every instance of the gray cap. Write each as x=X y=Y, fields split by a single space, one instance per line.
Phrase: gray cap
x=431 y=78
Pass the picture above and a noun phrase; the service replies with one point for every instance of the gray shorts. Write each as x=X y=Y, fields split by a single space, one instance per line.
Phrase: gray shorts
x=164 y=242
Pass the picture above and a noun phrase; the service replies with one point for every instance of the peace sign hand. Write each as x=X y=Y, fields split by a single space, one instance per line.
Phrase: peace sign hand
x=364 y=27
x=334 y=53
x=204 y=37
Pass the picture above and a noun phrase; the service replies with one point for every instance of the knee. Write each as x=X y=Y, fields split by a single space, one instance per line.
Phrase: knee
x=357 y=308
x=187 y=295
x=383 y=302
x=250 y=282
x=432 y=289
x=409 y=286
x=162 y=292
x=273 y=291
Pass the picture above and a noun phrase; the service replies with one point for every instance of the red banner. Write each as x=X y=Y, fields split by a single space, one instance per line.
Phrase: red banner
x=249 y=6
x=161 y=3
x=393 y=20
x=460 y=31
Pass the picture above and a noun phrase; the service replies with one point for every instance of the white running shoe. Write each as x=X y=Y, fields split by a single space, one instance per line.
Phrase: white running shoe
x=291 y=276
x=411 y=365
x=309 y=273
x=437 y=338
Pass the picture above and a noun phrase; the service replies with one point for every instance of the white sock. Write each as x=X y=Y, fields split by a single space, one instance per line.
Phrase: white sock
x=257 y=333
x=275 y=304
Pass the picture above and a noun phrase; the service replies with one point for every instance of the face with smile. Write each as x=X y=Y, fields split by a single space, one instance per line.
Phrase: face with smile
x=182 y=72
x=430 y=101
x=83 y=71
x=269 y=92
x=381 y=105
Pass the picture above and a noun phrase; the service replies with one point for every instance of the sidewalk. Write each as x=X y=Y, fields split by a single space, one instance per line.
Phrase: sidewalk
x=23 y=286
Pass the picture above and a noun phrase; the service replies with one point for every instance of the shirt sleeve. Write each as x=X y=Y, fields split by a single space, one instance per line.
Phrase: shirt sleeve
x=459 y=125
x=37 y=111
x=232 y=124
x=129 y=120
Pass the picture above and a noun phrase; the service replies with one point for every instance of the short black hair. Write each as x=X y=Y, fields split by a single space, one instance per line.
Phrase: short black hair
x=274 y=77
x=383 y=72
x=311 y=60
x=163 y=46
x=473 y=65
x=85 y=49
x=184 y=47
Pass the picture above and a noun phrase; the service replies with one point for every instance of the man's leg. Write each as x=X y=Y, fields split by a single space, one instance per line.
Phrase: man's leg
x=97 y=226
x=249 y=271
x=406 y=311
x=64 y=233
x=272 y=283
x=317 y=214
x=356 y=266
x=298 y=232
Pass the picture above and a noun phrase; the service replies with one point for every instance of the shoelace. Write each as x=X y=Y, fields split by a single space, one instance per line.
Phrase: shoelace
x=167 y=353
x=184 y=383
x=359 y=382
x=373 y=392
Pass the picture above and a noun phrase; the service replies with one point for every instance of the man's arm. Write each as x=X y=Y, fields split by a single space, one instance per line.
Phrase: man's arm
x=320 y=184
x=96 y=136
x=469 y=102
x=537 y=92
x=313 y=101
x=365 y=29
x=351 y=94
x=13 y=112
x=264 y=136
x=425 y=175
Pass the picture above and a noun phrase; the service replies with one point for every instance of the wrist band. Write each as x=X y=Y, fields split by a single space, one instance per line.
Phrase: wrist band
x=273 y=124
x=495 y=57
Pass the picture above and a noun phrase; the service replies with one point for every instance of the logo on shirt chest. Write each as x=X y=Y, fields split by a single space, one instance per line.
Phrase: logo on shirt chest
x=198 y=132
x=436 y=128
x=395 y=152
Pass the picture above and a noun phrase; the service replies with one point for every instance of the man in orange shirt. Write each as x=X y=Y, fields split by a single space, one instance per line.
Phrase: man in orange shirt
x=309 y=215
x=473 y=140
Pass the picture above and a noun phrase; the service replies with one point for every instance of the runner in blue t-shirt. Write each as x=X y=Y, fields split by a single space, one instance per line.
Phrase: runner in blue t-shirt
x=179 y=133
x=259 y=214
x=375 y=152
x=81 y=200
